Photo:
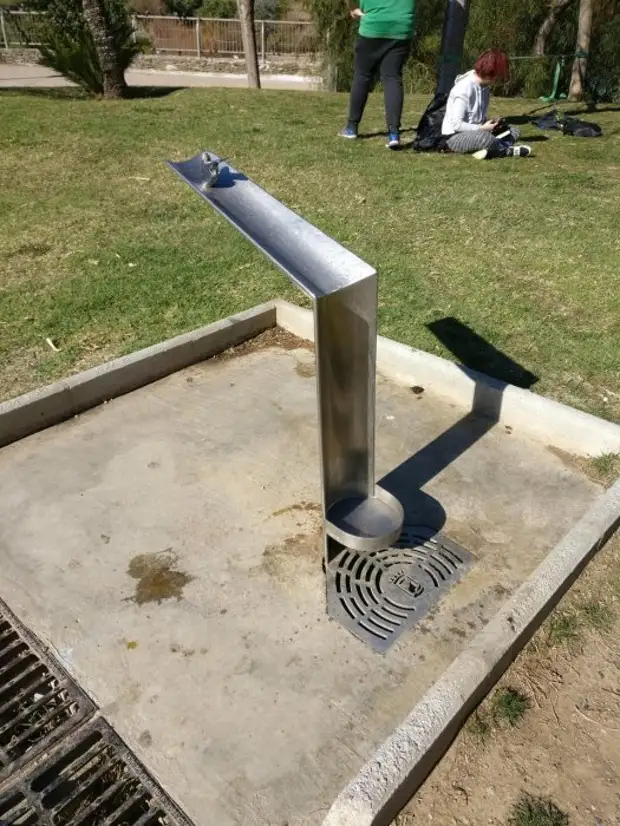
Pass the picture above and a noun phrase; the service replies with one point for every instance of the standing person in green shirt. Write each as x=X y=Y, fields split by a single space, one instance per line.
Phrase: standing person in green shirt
x=384 y=43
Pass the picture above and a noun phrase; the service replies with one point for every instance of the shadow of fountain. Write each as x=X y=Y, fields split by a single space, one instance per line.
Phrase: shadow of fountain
x=492 y=371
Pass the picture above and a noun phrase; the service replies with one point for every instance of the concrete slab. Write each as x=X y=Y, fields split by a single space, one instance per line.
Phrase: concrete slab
x=166 y=544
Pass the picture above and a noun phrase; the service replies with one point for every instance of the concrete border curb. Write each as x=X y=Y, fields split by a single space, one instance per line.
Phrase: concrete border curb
x=543 y=419
x=401 y=764
x=540 y=418
x=50 y=405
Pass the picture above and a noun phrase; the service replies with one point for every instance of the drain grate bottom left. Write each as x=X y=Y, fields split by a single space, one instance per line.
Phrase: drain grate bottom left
x=39 y=702
x=61 y=764
x=91 y=779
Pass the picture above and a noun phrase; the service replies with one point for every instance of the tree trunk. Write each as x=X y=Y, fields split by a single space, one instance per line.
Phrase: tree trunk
x=113 y=76
x=248 y=36
x=452 y=43
x=548 y=25
x=580 y=65
x=331 y=67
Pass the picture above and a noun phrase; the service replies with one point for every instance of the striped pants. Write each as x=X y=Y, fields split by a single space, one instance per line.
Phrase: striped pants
x=465 y=143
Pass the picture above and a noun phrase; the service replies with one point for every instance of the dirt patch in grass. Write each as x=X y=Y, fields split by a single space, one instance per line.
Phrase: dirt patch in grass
x=544 y=748
x=274 y=337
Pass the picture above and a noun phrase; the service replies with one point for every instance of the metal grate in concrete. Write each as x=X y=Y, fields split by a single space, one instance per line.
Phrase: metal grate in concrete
x=380 y=595
x=60 y=764
x=39 y=703
x=91 y=779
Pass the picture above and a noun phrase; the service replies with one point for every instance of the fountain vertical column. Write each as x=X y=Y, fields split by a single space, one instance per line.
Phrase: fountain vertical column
x=357 y=513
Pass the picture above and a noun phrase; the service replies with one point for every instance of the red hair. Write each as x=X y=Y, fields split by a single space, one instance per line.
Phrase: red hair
x=492 y=65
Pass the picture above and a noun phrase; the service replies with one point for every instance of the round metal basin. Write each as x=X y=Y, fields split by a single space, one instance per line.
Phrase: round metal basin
x=366 y=524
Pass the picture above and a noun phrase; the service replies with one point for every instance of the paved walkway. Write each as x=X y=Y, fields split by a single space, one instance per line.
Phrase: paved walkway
x=17 y=75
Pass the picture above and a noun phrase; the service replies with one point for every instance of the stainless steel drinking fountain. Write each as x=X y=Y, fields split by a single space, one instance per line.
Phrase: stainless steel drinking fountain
x=358 y=514
x=380 y=580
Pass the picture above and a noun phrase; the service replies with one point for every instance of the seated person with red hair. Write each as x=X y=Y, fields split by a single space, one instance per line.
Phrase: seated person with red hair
x=465 y=125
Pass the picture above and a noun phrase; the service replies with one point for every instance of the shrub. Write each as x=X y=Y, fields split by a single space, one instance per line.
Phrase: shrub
x=182 y=8
x=603 y=77
x=336 y=32
x=221 y=9
x=418 y=78
x=67 y=46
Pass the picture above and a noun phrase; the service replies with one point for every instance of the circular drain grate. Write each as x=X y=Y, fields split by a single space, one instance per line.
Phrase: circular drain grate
x=379 y=595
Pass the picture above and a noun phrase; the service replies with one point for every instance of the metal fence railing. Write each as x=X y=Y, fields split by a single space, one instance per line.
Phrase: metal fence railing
x=20 y=28
x=197 y=36
x=206 y=36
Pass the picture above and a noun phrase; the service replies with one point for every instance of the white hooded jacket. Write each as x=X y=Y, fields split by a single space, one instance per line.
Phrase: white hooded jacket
x=467 y=105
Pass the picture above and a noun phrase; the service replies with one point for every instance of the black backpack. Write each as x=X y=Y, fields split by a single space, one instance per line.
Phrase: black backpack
x=580 y=128
x=569 y=126
x=428 y=137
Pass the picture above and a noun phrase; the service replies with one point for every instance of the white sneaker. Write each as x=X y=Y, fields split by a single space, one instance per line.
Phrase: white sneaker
x=519 y=151
x=481 y=154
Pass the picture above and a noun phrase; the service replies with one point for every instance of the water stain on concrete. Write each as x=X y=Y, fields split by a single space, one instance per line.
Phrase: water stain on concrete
x=303 y=507
x=306 y=369
x=145 y=739
x=175 y=648
x=298 y=554
x=158 y=577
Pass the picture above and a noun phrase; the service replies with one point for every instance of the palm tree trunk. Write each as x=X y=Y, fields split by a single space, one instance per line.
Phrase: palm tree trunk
x=583 y=46
x=113 y=76
x=248 y=36
x=548 y=25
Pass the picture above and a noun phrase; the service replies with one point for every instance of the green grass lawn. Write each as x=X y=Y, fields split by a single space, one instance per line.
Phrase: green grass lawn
x=103 y=250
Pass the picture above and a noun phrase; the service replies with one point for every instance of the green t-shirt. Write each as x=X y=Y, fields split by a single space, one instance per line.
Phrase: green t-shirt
x=391 y=19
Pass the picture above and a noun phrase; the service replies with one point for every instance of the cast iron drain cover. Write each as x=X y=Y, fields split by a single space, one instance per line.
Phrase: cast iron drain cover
x=39 y=703
x=380 y=595
x=91 y=779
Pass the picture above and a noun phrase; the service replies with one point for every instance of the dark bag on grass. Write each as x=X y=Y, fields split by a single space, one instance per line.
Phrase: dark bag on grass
x=428 y=134
x=580 y=128
x=569 y=126
x=549 y=121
